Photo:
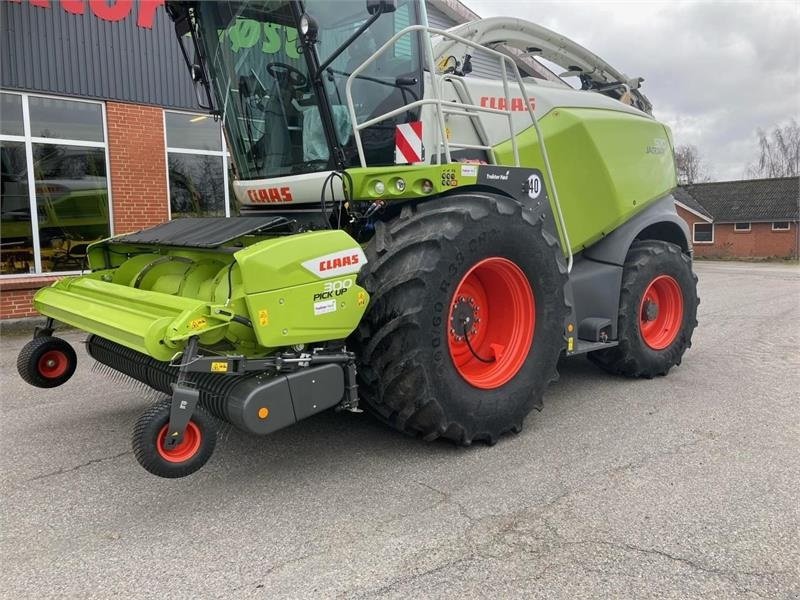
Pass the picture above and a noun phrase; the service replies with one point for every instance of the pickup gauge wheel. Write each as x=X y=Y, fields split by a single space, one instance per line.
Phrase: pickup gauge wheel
x=46 y=362
x=187 y=456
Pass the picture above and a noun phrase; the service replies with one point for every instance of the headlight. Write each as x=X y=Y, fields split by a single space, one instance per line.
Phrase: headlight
x=308 y=28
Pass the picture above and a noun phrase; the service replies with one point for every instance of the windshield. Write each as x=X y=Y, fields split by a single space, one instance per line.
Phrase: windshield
x=260 y=79
x=263 y=89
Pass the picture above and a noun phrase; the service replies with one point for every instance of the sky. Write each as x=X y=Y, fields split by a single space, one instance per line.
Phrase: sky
x=715 y=71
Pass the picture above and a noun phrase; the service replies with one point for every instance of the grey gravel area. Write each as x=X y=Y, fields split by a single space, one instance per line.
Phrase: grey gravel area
x=686 y=486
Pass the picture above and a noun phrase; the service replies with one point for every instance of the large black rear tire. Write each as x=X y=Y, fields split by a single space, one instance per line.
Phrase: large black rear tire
x=416 y=262
x=657 y=312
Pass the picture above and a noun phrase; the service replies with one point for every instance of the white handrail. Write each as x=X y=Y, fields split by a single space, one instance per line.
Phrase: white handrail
x=441 y=135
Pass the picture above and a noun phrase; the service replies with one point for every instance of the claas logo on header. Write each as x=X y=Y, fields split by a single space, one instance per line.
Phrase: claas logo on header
x=338 y=262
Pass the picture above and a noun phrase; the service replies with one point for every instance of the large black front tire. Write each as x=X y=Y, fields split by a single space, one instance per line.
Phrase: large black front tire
x=647 y=262
x=415 y=263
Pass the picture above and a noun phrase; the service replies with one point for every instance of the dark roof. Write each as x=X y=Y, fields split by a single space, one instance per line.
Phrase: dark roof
x=749 y=200
x=682 y=196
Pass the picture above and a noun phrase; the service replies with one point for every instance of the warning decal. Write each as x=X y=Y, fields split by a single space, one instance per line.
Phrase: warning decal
x=408 y=143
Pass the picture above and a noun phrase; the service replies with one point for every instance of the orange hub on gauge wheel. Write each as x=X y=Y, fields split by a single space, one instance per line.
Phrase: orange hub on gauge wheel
x=183 y=450
x=491 y=323
x=53 y=364
x=661 y=312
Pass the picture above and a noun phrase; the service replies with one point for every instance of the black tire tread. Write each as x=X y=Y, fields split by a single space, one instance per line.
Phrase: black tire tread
x=390 y=373
x=28 y=359
x=626 y=359
x=144 y=438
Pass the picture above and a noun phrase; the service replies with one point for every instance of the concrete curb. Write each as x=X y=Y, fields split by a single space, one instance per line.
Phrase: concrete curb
x=25 y=326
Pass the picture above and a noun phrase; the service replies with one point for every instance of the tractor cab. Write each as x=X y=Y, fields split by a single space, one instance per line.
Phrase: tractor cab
x=276 y=71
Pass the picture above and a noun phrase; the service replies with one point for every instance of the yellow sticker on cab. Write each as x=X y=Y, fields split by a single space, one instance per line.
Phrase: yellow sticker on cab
x=263 y=318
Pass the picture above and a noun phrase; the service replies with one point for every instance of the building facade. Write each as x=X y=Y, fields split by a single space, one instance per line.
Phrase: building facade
x=100 y=134
x=750 y=219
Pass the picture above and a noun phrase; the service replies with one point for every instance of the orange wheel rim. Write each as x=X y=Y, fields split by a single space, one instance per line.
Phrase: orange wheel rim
x=52 y=364
x=491 y=322
x=661 y=312
x=184 y=450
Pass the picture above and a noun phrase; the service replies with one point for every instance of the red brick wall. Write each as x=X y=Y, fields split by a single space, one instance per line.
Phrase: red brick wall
x=137 y=174
x=16 y=296
x=759 y=242
x=138 y=165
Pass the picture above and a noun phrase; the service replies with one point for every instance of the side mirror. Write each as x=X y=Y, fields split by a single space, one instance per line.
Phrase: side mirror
x=196 y=71
x=201 y=90
x=381 y=6
x=179 y=13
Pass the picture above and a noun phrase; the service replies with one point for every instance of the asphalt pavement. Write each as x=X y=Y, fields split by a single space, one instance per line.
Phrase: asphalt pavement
x=686 y=486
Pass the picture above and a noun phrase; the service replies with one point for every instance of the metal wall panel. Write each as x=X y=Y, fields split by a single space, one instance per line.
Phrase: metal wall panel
x=483 y=65
x=49 y=50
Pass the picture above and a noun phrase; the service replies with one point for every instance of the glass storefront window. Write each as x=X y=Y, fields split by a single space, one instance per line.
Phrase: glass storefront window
x=198 y=166
x=196 y=132
x=16 y=240
x=196 y=186
x=11 y=114
x=71 y=201
x=51 y=215
x=66 y=119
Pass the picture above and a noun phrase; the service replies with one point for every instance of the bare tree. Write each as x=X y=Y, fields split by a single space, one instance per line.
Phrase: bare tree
x=780 y=152
x=691 y=168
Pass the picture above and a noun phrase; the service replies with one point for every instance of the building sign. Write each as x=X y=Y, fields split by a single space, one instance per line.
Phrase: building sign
x=270 y=37
x=107 y=10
